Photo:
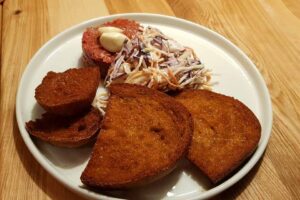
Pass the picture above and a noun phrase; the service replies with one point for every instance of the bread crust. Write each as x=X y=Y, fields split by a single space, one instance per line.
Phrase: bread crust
x=143 y=135
x=70 y=92
x=64 y=131
x=226 y=132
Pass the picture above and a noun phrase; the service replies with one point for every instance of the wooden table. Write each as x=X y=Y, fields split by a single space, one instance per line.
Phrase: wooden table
x=267 y=30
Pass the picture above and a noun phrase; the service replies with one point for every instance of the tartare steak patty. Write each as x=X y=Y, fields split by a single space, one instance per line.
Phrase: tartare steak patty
x=94 y=53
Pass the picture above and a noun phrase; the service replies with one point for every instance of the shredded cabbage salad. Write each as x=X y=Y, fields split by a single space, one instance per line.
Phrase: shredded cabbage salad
x=154 y=60
x=157 y=61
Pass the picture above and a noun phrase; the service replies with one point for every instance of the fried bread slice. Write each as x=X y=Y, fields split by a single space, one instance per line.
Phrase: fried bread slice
x=226 y=132
x=143 y=135
x=65 y=131
x=69 y=92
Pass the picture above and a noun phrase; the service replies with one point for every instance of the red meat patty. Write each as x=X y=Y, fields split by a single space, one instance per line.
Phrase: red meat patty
x=94 y=53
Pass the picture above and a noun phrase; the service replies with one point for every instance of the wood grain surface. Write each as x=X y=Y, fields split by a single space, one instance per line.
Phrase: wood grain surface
x=268 y=31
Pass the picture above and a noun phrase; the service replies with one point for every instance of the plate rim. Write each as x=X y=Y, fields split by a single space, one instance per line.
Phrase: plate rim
x=207 y=194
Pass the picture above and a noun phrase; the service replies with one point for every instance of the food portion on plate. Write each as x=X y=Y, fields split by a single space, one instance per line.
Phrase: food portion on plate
x=159 y=62
x=67 y=131
x=70 y=120
x=226 y=132
x=93 y=51
x=143 y=135
x=70 y=92
x=142 y=55
x=145 y=130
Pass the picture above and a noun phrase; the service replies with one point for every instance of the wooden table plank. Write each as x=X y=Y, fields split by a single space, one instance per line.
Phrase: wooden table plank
x=268 y=31
x=269 y=34
x=124 y=6
x=0 y=37
x=293 y=6
x=27 y=25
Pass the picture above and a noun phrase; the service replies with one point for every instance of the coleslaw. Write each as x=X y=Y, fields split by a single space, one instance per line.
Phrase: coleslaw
x=157 y=61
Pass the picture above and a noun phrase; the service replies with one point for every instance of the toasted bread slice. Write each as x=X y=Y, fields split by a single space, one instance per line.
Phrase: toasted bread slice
x=144 y=133
x=62 y=131
x=226 y=132
x=69 y=92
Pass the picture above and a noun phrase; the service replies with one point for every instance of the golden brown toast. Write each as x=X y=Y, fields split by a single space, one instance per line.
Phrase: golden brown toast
x=226 y=132
x=143 y=135
x=65 y=131
x=69 y=92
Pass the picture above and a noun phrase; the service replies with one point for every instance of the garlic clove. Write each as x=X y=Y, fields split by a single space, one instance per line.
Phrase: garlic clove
x=106 y=29
x=112 y=41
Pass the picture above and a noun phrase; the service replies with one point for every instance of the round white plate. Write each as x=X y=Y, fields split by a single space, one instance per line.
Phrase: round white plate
x=236 y=75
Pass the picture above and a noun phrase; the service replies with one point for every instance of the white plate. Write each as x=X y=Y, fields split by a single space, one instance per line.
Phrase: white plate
x=236 y=75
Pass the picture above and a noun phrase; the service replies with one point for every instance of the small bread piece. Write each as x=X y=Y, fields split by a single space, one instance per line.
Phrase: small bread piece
x=143 y=135
x=70 y=92
x=226 y=132
x=66 y=131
